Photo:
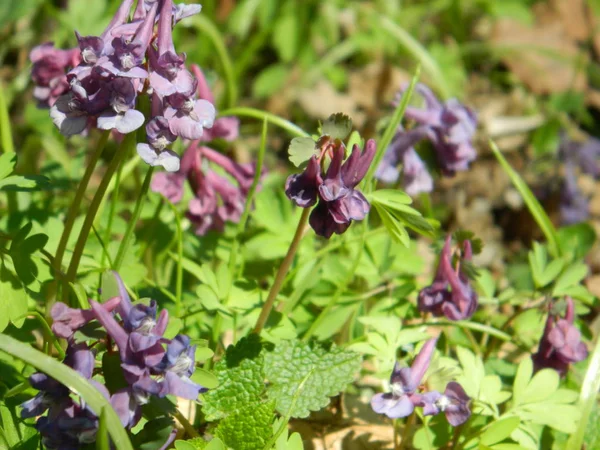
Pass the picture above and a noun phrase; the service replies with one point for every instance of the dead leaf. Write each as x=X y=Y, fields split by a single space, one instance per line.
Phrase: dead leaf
x=542 y=57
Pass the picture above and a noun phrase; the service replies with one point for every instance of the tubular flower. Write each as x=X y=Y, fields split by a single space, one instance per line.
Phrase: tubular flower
x=131 y=57
x=339 y=203
x=151 y=365
x=450 y=294
x=404 y=396
x=561 y=342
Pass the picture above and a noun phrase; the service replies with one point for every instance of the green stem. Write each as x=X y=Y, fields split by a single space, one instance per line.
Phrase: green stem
x=263 y=115
x=118 y=157
x=282 y=272
x=133 y=221
x=249 y=198
x=179 y=270
x=6 y=139
x=187 y=426
x=340 y=289
x=419 y=52
x=74 y=381
x=587 y=398
x=213 y=33
x=467 y=325
x=49 y=336
x=74 y=208
x=407 y=426
x=242 y=223
x=391 y=129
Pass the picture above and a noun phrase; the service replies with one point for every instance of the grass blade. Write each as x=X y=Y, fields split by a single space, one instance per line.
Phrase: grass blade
x=74 y=381
x=532 y=203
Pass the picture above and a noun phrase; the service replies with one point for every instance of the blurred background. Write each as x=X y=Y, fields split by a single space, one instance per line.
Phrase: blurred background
x=529 y=68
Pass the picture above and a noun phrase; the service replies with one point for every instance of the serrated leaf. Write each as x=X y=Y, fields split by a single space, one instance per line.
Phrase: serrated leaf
x=322 y=373
x=301 y=149
x=337 y=126
x=249 y=428
x=240 y=377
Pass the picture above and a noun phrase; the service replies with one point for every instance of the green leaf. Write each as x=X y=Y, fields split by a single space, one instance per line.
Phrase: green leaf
x=577 y=239
x=286 y=34
x=8 y=161
x=240 y=377
x=23 y=182
x=154 y=434
x=249 y=428
x=301 y=149
x=324 y=373
x=500 y=430
x=186 y=445
x=536 y=210
x=337 y=126
x=524 y=373
x=102 y=441
x=73 y=381
x=570 y=277
x=270 y=80
x=14 y=298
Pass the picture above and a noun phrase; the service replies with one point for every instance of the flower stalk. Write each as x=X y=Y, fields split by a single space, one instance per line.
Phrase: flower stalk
x=282 y=272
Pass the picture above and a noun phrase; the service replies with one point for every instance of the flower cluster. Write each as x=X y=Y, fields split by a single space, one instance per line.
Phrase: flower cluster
x=149 y=368
x=217 y=199
x=339 y=203
x=449 y=127
x=574 y=204
x=450 y=294
x=403 y=398
x=109 y=72
x=561 y=342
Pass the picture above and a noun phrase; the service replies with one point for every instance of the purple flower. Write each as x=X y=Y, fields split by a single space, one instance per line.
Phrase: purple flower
x=80 y=358
x=217 y=199
x=416 y=178
x=187 y=117
x=121 y=116
x=452 y=126
x=128 y=56
x=177 y=367
x=458 y=303
x=454 y=403
x=155 y=152
x=404 y=382
x=560 y=344
x=339 y=203
x=68 y=320
x=224 y=127
x=168 y=74
x=49 y=72
x=574 y=205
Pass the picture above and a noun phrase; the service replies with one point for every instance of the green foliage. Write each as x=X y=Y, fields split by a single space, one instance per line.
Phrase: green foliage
x=301 y=149
x=538 y=399
x=318 y=372
x=248 y=428
x=240 y=377
x=337 y=126
x=396 y=215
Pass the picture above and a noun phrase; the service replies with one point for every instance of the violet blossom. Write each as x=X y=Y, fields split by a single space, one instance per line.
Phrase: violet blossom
x=339 y=203
x=405 y=396
x=450 y=294
x=415 y=176
x=449 y=127
x=560 y=344
x=131 y=57
x=69 y=422
x=49 y=72
x=151 y=364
